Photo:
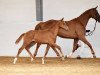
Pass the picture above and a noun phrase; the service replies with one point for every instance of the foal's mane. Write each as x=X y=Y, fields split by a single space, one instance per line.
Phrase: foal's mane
x=51 y=21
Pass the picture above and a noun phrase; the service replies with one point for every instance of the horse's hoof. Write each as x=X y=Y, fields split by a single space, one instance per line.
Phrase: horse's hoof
x=65 y=56
x=58 y=55
x=34 y=56
x=78 y=57
x=94 y=56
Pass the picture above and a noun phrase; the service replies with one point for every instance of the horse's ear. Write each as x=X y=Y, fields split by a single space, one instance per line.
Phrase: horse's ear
x=96 y=7
x=62 y=19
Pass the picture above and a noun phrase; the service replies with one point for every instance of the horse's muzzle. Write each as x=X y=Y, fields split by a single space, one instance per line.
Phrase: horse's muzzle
x=98 y=19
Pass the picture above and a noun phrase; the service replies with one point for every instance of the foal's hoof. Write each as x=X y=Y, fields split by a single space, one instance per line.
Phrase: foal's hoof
x=14 y=62
x=32 y=59
x=43 y=61
x=78 y=57
x=63 y=58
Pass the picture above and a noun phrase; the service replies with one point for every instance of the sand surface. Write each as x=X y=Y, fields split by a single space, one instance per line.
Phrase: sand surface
x=52 y=66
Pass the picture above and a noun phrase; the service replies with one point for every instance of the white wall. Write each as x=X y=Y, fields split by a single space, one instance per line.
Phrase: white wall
x=18 y=16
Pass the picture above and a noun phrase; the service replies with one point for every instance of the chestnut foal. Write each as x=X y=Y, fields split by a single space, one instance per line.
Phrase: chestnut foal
x=47 y=36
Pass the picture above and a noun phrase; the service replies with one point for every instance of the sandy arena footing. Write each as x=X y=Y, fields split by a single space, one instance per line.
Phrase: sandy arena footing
x=52 y=66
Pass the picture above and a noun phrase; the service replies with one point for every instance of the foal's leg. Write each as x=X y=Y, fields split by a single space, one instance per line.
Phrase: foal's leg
x=19 y=51
x=28 y=47
x=59 y=48
x=38 y=45
x=82 y=38
x=47 y=49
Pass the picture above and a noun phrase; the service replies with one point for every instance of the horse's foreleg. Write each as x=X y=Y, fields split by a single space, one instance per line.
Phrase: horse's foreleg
x=82 y=38
x=35 y=53
x=81 y=45
x=75 y=46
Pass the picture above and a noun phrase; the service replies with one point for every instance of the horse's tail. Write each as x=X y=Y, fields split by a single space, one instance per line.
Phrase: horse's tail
x=17 y=41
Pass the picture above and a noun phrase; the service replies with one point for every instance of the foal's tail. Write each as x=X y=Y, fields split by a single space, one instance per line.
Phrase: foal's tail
x=17 y=41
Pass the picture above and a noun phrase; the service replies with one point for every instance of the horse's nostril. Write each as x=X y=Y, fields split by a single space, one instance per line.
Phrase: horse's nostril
x=98 y=19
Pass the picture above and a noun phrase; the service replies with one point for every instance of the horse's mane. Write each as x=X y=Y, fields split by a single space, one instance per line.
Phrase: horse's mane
x=86 y=12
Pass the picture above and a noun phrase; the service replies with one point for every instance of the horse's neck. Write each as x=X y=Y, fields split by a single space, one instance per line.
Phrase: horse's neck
x=84 y=18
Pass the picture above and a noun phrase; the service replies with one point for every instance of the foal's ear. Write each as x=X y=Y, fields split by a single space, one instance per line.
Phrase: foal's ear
x=62 y=19
x=96 y=7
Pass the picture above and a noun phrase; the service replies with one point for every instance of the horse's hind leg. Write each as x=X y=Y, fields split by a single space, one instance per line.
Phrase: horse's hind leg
x=82 y=38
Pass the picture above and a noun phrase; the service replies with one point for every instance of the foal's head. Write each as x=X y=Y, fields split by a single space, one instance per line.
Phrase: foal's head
x=62 y=24
x=95 y=14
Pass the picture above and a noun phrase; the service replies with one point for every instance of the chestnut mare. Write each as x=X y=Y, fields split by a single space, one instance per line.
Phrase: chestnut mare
x=47 y=36
x=77 y=30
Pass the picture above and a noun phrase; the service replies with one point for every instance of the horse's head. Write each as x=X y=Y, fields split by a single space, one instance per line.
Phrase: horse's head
x=62 y=24
x=95 y=14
